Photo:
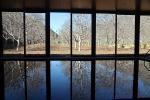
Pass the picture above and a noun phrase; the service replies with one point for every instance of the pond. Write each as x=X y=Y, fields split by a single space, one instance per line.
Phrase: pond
x=60 y=75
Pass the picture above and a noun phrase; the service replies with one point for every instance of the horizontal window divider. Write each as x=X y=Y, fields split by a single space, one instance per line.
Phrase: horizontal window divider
x=78 y=57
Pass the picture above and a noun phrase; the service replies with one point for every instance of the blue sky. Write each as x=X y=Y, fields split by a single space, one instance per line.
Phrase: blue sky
x=57 y=20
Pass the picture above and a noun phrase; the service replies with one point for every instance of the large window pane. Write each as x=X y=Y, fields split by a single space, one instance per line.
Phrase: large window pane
x=105 y=34
x=35 y=33
x=59 y=33
x=36 y=80
x=124 y=79
x=81 y=80
x=13 y=38
x=144 y=34
x=14 y=80
x=81 y=36
x=143 y=81
x=60 y=80
x=104 y=80
x=125 y=34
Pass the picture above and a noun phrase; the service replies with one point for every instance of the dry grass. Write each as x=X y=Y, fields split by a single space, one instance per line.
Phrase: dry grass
x=65 y=49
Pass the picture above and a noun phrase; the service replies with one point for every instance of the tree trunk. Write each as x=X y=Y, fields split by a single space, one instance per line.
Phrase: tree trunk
x=18 y=43
x=79 y=44
x=75 y=45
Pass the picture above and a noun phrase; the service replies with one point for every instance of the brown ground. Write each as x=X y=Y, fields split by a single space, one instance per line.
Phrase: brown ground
x=65 y=49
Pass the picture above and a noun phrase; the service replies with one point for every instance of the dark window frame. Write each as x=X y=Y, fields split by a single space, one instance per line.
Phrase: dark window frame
x=93 y=57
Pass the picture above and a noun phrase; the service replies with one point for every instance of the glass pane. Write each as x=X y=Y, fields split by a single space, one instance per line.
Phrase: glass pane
x=81 y=36
x=104 y=80
x=36 y=80
x=14 y=80
x=144 y=34
x=60 y=80
x=35 y=33
x=81 y=80
x=13 y=38
x=105 y=33
x=125 y=35
x=124 y=79
x=59 y=33
x=143 y=81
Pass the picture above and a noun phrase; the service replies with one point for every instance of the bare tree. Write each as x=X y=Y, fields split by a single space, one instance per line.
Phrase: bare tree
x=13 y=27
x=81 y=29
x=35 y=28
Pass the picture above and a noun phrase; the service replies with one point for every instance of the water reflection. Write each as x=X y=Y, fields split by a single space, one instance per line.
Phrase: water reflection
x=144 y=81
x=104 y=80
x=124 y=79
x=60 y=80
x=81 y=80
x=14 y=82
x=36 y=80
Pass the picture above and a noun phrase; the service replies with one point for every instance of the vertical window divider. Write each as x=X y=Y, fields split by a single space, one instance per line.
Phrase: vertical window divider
x=47 y=41
x=136 y=49
x=115 y=56
x=24 y=32
x=93 y=49
x=115 y=65
x=1 y=37
x=71 y=51
x=2 y=85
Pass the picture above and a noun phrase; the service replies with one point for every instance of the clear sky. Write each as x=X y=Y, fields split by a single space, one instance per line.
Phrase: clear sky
x=57 y=20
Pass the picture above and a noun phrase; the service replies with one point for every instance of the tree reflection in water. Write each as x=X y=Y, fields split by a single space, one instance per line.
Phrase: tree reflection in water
x=14 y=81
x=104 y=80
x=81 y=80
x=36 y=80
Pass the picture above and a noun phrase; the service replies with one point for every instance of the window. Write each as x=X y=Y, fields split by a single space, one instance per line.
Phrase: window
x=14 y=82
x=125 y=34
x=104 y=79
x=124 y=79
x=36 y=80
x=35 y=33
x=81 y=80
x=71 y=69
x=13 y=37
x=60 y=76
x=81 y=35
x=60 y=33
x=144 y=34
x=143 y=79
x=105 y=33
